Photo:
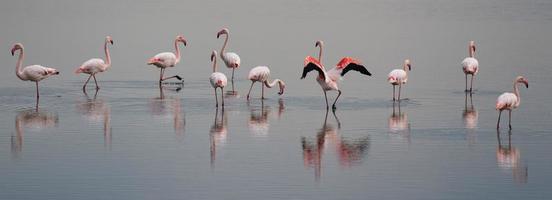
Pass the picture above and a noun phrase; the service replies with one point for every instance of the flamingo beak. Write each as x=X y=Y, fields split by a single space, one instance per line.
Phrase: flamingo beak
x=13 y=51
x=212 y=57
x=282 y=87
x=526 y=83
x=409 y=67
x=111 y=41
x=185 y=42
x=151 y=61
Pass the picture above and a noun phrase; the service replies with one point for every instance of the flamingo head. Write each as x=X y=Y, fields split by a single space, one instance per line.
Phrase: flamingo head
x=282 y=87
x=109 y=39
x=319 y=43
x=181 y=38
x=16 y=47
x=221 y=32
x=521 y=79
x=472 y=46
x=213 y=56
x=407 y=64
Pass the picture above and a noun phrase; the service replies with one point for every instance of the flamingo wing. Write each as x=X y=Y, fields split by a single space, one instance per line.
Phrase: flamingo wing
x=313 y=64
x=347 y=64
x=231 y=59
x=92 y=66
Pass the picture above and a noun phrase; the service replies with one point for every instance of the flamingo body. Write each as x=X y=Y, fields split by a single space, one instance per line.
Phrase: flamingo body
x=164 y=60
x=92 y=66
x=397 y=76
x=470 y=65
x=507 y=101
x=37 y=73
x=218 y=80
x=231 y=60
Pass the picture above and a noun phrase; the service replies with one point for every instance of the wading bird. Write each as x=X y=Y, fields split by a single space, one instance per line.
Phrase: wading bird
x=168 y=59
x=399 y=77
x=231 y=59
x=509 y=101
x=96 y=65
x=262 y=74
x=470 y=65
x=217 y=79
x=34 y=73
x=328 y=80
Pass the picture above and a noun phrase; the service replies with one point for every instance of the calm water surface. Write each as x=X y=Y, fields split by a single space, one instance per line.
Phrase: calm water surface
x=134 y=140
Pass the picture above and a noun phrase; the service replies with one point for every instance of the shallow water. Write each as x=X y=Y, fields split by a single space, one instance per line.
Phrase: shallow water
x=133 y=140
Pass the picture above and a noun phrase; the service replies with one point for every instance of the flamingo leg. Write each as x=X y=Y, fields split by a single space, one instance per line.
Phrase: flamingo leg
x=338 y=94
x=399 y=97
x=216 y=98
x=97 y=87
x=498 y=122
x=393 y=93
x=326 y=97
x=262 y=91
x=85 y=83
x=252 y=82
x=510 y=119
x=471 y=83
x=466 y=87
x=233 y=78
x=37 y=95
x=222 y=95
x=161 y=71
x=175 y=76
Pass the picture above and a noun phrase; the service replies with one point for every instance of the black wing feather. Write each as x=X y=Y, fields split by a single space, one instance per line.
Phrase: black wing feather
x=311 y=66
x=359 y=68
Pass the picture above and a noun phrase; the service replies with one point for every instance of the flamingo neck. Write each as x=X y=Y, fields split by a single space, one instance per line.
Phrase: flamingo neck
x=320 y=54
x=405 y=68
x=107 y=56
x=224 y=46
x=273 y=83
x=215 y=65
x=18 y=70
x=177 y=51
x=516 y=91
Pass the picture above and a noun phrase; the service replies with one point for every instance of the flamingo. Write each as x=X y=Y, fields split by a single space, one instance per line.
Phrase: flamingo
x=34 y=73
x=96 y=65
x=261 y=74
x=217 y=79
x=470 y=65
x=231 y=59
x=168 y=59
x=399 y=77
x=509 y=101
x=328 y=80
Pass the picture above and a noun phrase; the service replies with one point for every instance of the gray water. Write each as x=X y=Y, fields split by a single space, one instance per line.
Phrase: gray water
x=132 y=140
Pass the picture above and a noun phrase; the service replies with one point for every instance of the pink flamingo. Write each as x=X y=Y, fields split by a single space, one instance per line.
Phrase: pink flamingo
x=34 y=73
x=399 y=77
x=509 y=101
x=217 y=79
x=96 y=65
x=231 y=59
x=168 y=59
x=328 y=80
x=262 y=74
x=470 y=65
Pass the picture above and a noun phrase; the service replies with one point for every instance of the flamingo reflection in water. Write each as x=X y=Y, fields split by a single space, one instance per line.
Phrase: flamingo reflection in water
x=508 y=157
x=34 y=120
x=398 y=123
x=97 y=110
x=470 y=118
x=258 y=121
x=217 y=134
x=349 y=151
x=169 y=109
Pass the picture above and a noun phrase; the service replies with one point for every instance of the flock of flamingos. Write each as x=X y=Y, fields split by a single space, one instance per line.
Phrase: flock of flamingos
x=328 y=79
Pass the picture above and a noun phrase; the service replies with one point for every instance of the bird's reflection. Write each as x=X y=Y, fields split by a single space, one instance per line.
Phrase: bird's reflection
x=398 y=123
x=169 y=108
x=218 y=134
x=258 y=121
x=470 y=118
x=508 y=158
x=30 y=119
x=349 y=150
x=97 y=110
